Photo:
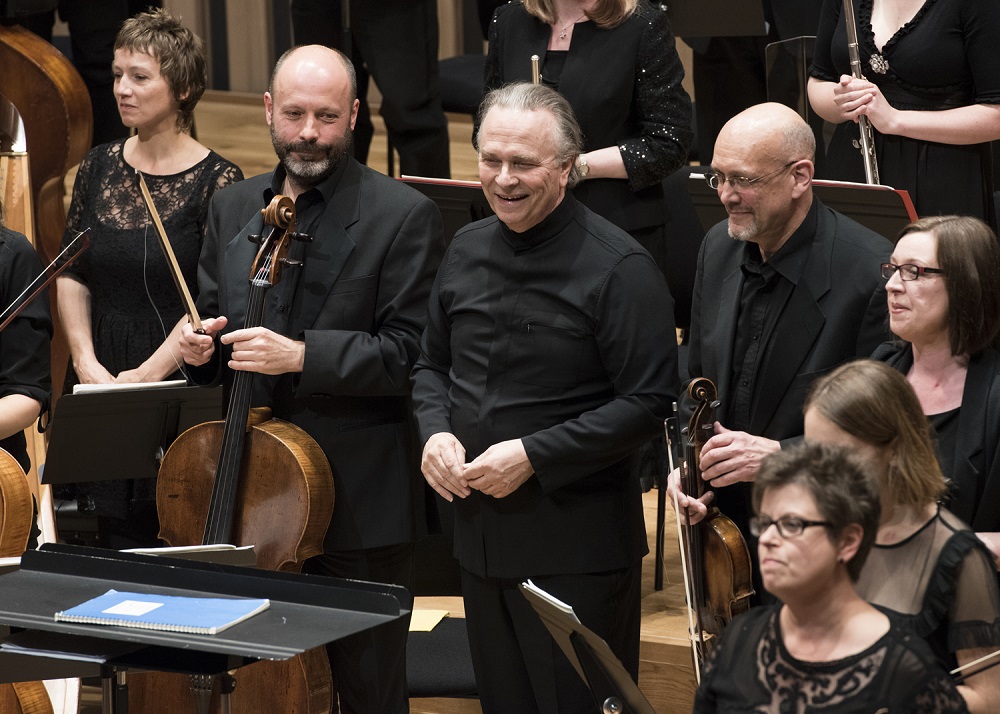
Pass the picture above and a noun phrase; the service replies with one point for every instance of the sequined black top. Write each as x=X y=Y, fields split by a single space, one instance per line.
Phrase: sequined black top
x=624 y=84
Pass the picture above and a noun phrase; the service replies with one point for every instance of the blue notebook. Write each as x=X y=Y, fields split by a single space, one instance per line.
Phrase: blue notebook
x=195 y=615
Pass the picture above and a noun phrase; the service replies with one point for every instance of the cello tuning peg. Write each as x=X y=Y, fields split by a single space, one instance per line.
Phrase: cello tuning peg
x=254 y=238
x=304 y=237
x=291 y=262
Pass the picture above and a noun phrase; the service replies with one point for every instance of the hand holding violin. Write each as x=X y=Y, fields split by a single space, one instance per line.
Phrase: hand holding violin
x=694 y=508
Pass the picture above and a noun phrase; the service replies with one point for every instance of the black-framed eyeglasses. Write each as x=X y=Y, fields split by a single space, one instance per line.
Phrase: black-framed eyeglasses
x=788 y=526
x=908 y=271
x=740 y=183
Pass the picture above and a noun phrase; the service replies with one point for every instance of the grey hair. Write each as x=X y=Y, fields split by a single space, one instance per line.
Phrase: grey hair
x=526 y=97
x=344 y=60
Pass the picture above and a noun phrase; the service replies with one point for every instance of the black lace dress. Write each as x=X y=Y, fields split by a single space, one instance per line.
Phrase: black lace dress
x=751 y=671
x=134 y=303
x=942 y=582
x=945 y=57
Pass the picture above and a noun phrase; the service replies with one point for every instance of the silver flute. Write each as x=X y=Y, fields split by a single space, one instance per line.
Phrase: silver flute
x=867 y=143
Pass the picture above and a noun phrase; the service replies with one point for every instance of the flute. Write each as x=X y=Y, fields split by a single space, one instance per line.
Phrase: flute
x=867 y=143
x=536 y=74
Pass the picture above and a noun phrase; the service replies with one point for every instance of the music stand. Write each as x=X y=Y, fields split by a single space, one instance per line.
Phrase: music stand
x=717 y=18
x=86 y=428
x=882 y=209
x=306 y=612
x=460 y=202
x=612 y=686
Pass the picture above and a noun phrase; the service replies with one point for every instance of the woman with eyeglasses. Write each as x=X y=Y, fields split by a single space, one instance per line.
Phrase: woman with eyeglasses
x=943 y=286
x=926 y=565
x=822 y=648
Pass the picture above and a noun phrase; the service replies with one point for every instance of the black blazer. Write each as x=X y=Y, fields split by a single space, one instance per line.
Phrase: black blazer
x=624 y=85
x=364 y=292
x=977 y=449
x=837 y=312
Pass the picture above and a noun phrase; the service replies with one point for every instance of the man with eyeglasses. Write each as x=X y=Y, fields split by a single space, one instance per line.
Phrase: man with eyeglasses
x=786 y=290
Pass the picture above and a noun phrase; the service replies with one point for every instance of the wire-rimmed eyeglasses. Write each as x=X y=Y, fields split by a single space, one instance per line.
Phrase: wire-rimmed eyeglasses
x=788 y=526
x=740 y=183
x=908 y=271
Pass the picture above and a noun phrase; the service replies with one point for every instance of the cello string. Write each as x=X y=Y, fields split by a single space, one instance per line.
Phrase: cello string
x=227 y=479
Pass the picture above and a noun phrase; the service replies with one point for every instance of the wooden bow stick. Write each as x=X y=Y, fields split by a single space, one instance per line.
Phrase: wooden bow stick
x=175 y=269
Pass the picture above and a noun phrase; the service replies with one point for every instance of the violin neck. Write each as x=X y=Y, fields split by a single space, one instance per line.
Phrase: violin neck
x=221 y=513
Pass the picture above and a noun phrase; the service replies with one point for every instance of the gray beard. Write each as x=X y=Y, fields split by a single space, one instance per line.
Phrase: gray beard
x=310 y=173
x=746 y=234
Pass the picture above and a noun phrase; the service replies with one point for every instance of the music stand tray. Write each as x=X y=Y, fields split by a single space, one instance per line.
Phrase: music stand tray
x=882 y=209
x=590 y=656
x=136 y=426
x=306 y=611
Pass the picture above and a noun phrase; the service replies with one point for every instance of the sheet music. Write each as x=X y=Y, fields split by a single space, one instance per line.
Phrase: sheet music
x=128 y=387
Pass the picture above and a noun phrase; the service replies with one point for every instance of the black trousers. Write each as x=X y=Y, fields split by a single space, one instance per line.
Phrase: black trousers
x=518 y=666
x=396 y=42
x=369 y=668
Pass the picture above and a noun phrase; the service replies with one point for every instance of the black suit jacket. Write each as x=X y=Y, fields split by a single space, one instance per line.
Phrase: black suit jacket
x=837 y=312
x=363 y=299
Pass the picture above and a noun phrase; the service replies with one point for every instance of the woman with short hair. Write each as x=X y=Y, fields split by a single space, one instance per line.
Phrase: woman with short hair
x=822 y=647
x=943 y=289
x=118 y=304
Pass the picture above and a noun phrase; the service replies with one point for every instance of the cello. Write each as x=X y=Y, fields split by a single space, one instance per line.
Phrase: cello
x=714 y=554
x=271 y=487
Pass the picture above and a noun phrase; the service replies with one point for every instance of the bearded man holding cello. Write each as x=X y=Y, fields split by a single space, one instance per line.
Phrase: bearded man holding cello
x=338 y=337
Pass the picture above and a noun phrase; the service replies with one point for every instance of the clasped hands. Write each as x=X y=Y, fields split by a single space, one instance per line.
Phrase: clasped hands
x=255 y=349
x=859 y=97
x=728 y=457
x=497 y=472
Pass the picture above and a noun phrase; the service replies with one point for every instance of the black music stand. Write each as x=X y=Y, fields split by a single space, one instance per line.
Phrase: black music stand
x=137 y=426
x=716 y=18
x=609 y=682
x=306 y=611
x=882 y=209
x=460 y=202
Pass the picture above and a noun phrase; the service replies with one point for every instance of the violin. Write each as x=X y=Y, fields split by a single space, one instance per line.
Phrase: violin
x=714 y=555
x=271 y=487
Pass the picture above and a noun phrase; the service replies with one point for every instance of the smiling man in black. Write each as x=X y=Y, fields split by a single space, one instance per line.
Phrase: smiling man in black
x=549 y=356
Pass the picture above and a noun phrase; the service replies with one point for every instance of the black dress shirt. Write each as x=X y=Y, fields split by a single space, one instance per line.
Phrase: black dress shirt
x=563 y=337
x=767 y=285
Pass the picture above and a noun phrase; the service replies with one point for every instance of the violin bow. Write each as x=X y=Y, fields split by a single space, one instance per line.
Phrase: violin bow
x=168 y=251
x=49 y=274
x=960 y=674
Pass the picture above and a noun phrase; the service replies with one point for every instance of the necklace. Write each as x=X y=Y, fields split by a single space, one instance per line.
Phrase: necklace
x=562 y=33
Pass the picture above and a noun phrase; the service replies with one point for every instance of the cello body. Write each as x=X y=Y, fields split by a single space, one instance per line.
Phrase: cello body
x=247 y=480
x=284 y=518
